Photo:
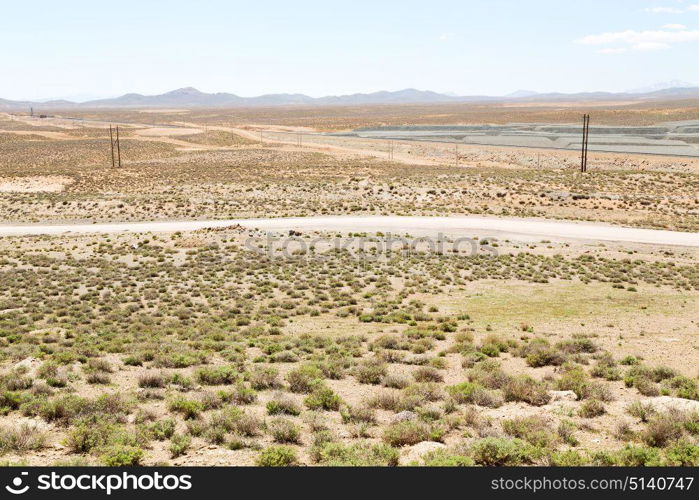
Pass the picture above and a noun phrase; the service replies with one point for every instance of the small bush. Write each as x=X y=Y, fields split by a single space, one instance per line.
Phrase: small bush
x=277 y=456
x=493 y=451
x=281 y=405
x=262 y=378
x=304 y=378
x=407 y=433
x=682 y=453
x=187 y=407
x=151 y=381
x=217 y=375
x=446 y=458
x=370 y=371
x=163 y=429
x=591 y=408
x=323 y=398
x=179 y=444
x=356 y=455
x=526 y=389
x=22 y=438
x=122 y=455
x=285 y=431
x=661 y=430
x=427 y=374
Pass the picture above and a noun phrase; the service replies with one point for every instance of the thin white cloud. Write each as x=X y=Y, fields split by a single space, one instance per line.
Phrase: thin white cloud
x=642 y=40
x=664 y=10
x=674 y=27
x=672 y=10
x=650 y=46
x=612 y=50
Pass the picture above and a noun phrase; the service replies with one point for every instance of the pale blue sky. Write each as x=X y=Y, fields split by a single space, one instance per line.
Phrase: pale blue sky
x=86 y=49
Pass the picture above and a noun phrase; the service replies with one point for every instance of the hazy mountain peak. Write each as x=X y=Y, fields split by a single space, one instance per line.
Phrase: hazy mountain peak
x=672 y=84
x=522 y=93
x=185 y=91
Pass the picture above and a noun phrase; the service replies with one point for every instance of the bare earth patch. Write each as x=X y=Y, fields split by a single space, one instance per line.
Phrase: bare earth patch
x=37 y=184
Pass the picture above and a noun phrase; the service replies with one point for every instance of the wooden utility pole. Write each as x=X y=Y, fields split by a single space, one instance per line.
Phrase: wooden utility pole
x=111 y=142
x=456 y=155
x=118 y=146
x=585 y=140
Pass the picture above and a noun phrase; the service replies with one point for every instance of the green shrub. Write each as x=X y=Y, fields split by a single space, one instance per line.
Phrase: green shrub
x=490 y=350
x=574 y=379
x=21 y=438
x=277 y=456
x=446 y=458
x=356 y=455
x=304 y=378
x=641 y=410
x=591 y=408
x=179 y=444
x=88 y=435
x=407 y=433
x=217 y=375
x=532 y=429
x=661 y=430
x=526 y=389
x=187 y=407
x=370 y=371
x=283 y=406
x=464 y=392
x=323 y=398
x=262 y=377
x=568 y=458
x=163 y=429
x=284 y=431
x=493 y=451
x=121 y=456
x=682 y=453
x=637 y=456
x=427 y=374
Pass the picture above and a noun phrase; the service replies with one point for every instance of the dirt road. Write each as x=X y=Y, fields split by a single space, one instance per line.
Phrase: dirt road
x=461 y=226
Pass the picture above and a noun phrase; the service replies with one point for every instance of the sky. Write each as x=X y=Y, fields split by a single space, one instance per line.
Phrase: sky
x=86 y=49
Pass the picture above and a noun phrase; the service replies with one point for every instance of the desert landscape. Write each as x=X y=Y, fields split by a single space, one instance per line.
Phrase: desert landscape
x=263 y=286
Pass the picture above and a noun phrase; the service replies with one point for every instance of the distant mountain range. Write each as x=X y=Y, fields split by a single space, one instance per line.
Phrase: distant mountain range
x=189 y=97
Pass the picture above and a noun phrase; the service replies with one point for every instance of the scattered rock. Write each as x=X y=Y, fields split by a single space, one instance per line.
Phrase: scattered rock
x=404 y=416
x=413 y=453
x=563 y=396
x=665 y=403
x=28 y=363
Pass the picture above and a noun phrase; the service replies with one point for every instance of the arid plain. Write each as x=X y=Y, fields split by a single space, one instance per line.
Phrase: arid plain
x=225 y=346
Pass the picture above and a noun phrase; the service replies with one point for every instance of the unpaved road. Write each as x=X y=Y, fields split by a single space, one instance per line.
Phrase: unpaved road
x=463 y=226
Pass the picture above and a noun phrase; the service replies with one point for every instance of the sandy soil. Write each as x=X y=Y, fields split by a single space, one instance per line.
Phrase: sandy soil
x=37 y=184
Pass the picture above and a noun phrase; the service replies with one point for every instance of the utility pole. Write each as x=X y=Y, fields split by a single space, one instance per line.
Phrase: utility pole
x=111 y=142
x=585 y=140
x=456 y=155
x=118 y=146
